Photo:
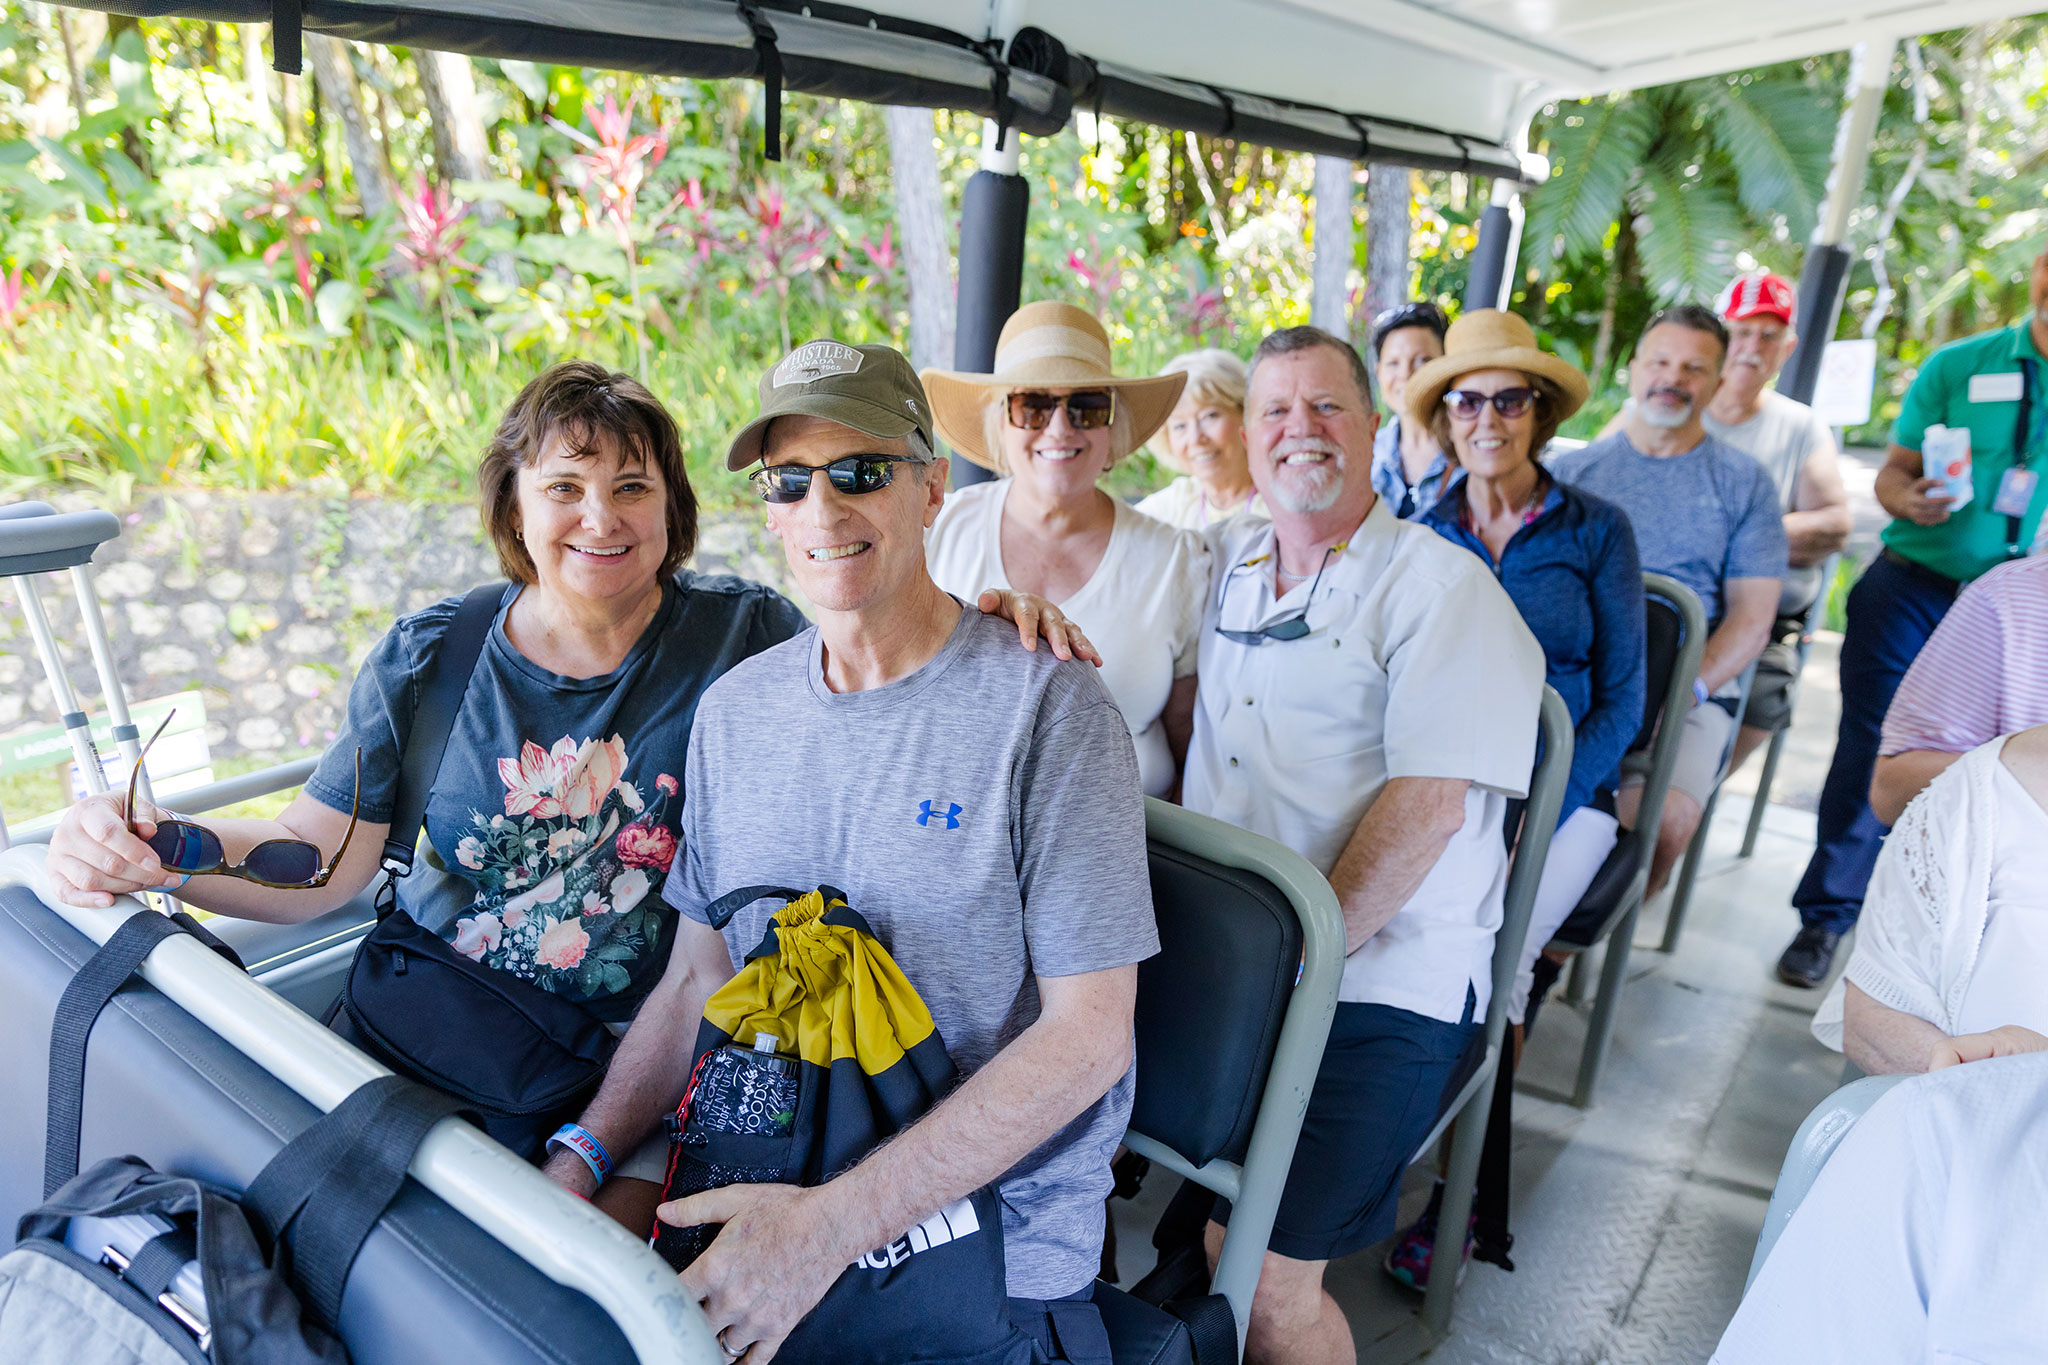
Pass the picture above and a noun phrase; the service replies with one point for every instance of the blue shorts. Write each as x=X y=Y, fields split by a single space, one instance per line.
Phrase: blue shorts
x=1380 y=1090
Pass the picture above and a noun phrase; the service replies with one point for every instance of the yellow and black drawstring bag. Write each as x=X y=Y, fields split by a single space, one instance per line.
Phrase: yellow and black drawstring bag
x=814 y=1053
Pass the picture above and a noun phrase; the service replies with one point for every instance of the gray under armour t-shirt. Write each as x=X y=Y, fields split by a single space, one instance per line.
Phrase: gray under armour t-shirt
x=984 y=815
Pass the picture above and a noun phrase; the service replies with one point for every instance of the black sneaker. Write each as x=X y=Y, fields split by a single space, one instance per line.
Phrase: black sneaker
x=1806 y=962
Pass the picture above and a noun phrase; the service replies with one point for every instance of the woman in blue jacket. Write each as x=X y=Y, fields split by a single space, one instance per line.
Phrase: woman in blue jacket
x=1568 y=559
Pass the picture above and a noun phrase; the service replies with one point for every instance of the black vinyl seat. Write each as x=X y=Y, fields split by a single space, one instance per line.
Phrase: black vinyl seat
x=1676 y=639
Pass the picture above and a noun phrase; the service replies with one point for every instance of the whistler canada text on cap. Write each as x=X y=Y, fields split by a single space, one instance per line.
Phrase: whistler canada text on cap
x=872 y=389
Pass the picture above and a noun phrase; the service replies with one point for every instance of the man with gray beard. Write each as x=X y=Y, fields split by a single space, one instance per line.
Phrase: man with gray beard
x=1706 y=514
x=1368 y=697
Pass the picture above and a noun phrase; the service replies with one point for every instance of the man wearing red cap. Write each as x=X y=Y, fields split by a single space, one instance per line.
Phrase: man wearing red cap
x=1797 y=450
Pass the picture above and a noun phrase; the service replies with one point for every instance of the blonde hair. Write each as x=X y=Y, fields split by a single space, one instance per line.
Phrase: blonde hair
x=1214 y=376
x=995 y=417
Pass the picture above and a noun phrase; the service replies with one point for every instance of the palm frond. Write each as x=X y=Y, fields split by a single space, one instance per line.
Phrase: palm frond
x=1688 y=229
x=1594 y=149
x=1779 y=138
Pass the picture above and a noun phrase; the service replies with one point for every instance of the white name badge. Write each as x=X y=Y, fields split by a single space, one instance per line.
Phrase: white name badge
x=1995 y=388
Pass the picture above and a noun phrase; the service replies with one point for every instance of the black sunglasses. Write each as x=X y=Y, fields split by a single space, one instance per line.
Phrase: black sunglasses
x=283 y=864
x=1465 y=404
x=1287 y=627
x=1087 y=409
x=849 y=474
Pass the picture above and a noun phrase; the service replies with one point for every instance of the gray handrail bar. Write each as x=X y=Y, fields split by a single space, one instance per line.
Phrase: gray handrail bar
x=226 y=792
x=15 y=510
x=38 y=542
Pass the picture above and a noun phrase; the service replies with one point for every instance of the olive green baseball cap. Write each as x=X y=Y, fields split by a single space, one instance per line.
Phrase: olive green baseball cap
x=872 y=389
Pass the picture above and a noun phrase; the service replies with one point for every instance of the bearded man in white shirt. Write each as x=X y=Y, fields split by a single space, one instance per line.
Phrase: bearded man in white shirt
x=1368 y=697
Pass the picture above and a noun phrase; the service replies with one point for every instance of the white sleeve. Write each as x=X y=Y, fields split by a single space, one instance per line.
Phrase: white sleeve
x=1897 y=961
x=1464 y=684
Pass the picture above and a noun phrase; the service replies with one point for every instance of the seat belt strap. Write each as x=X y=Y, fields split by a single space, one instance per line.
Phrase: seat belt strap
x=84 y=997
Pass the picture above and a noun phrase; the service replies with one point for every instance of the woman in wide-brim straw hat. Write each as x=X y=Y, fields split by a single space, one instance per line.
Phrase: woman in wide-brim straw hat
x=1051 y=420
x=1568 y=559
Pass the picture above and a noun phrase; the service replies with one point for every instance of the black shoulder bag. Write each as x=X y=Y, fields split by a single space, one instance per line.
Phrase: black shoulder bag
x=524 y=1059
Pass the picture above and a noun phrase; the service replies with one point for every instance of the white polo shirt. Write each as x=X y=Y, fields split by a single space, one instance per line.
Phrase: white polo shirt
x=1416 y=665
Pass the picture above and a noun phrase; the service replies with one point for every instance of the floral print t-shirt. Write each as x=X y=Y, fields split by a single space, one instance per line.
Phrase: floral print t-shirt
x=554 y=819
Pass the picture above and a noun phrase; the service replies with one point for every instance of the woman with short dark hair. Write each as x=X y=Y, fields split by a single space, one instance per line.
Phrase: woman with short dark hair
x=1410 y=466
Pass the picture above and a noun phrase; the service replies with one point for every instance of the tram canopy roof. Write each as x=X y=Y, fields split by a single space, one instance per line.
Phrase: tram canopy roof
x=1448 y=84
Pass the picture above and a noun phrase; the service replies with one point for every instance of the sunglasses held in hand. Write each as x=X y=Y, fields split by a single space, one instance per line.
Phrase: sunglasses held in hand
x=283 y=864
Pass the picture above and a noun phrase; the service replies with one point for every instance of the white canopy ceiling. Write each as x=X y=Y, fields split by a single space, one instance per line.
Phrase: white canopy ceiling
x=1446 y=83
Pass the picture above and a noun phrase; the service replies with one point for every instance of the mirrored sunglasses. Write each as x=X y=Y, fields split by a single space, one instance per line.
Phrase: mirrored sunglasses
x=284 y=864
x=849 y=474
x=1087 y=409
x=1465 y=404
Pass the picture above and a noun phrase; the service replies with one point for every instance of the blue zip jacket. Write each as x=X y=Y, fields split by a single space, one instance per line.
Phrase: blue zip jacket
x=1574 y=576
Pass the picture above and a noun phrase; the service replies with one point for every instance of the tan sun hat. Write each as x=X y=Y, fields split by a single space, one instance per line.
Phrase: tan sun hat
x=1489 y=339
x=1047 y=345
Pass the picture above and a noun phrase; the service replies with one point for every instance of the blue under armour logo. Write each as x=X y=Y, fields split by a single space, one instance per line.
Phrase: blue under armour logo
x=950 y=814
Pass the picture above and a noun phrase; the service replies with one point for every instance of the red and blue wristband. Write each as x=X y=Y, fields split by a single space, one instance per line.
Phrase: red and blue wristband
x=580 y=1140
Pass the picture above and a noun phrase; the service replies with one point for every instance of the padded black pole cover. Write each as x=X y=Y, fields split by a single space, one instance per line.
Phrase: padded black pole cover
x=1486 y=286
x=992 y=217
x=1821 y=285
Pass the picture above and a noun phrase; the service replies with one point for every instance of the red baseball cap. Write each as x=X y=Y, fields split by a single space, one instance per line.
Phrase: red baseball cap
x=1759 y=295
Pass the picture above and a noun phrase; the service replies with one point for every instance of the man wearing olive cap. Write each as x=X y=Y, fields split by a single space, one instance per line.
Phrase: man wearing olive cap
x=981 y=810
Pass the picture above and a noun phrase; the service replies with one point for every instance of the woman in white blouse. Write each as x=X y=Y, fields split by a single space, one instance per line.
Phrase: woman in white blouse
x=1052 y=419
x=1951 y=960
x=1204 y=440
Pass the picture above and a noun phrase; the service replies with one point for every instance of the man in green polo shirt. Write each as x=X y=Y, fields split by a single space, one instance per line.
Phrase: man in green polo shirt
x=1995 y=387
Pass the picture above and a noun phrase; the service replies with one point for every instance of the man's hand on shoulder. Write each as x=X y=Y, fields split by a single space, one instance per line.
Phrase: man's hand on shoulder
x=770 y=1265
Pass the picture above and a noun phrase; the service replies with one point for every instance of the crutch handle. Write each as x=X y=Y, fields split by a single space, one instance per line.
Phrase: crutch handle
x=26 y=509
x=40 y=542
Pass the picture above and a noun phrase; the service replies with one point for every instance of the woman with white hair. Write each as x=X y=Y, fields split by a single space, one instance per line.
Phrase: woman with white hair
x=1051 y=420
x=1204 y=440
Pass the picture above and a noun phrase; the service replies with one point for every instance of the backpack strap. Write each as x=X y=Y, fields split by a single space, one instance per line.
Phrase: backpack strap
x=443 y=681
x=326 y=1189
x=1211 y=1325
x=719 y=913
x=87 y=993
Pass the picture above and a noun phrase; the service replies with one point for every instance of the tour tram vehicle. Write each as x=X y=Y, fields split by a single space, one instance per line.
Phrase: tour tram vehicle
x=205 y=1069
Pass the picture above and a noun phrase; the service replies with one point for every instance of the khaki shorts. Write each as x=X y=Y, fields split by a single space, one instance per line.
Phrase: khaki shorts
x=1701 y=751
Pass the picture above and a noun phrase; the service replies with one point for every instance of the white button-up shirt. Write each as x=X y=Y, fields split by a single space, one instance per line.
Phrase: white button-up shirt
x=1416 y=664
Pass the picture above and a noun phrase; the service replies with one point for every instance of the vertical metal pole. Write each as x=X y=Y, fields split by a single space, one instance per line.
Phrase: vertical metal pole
x=992 y=214
x=1824 y=278
x=1492 y=279
x=76 y=727
x=126 y=738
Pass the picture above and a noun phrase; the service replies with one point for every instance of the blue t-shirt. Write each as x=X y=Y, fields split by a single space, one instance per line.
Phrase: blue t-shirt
x=1573 y=575
x=556 y=813
x=1703 y=517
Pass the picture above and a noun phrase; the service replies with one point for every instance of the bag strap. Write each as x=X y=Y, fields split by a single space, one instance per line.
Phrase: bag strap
x=328 y=1186
x=1211 y=1325
x=445 y=679
x=719 y=913
x=96 y=982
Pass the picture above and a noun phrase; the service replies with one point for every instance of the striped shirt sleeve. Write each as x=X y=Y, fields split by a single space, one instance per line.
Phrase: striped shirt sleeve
x=1951 y=698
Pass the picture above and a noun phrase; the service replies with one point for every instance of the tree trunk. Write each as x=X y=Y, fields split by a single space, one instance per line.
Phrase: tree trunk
x=72 y=70
x=256 y=76
x=448 y=84
x=1389 y=224
x=921 y=219
x=1330 y=297
x=337 y=82
x=1620 y=270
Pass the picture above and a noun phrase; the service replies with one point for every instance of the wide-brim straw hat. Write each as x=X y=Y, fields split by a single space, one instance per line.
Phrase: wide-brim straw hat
x=1489 y=339
x=1047 y=346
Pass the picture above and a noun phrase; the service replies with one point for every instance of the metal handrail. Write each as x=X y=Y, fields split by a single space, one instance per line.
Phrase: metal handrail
x=228 y=791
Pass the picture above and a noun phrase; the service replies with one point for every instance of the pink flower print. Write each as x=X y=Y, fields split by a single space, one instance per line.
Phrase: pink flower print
x=478 y=935
x=593 y=904
x=629 y=888
x=512 y=917
x=533 y=784
x=590 y=777
x=667 y=784
x=647 y=846
x=562 y=944
x=629 y=797
x=563 y=840
x=470 y=854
